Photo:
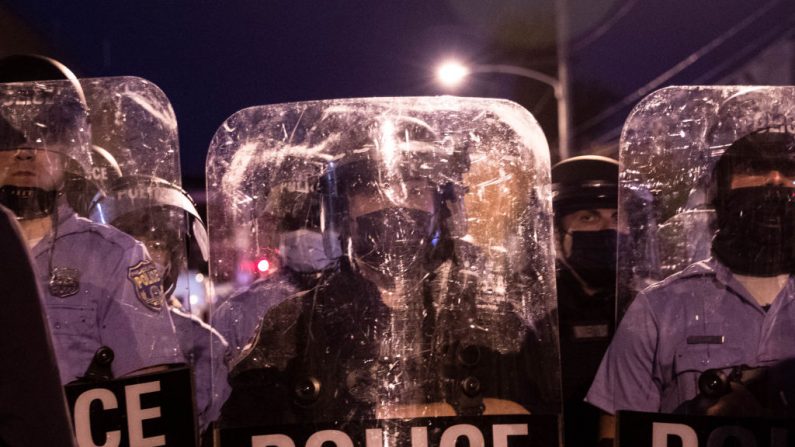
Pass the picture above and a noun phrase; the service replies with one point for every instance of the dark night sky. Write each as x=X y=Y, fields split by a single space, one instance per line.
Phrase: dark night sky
x=213 y=58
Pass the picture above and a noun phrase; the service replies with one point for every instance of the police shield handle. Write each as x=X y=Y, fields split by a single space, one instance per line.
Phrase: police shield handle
x=738 y=402
x=492 y=406
x=419 y=437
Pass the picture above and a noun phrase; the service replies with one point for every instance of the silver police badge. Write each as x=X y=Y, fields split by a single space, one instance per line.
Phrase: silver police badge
x=64 y=282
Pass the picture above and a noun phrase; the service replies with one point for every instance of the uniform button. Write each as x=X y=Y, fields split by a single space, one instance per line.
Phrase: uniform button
x=57 y=325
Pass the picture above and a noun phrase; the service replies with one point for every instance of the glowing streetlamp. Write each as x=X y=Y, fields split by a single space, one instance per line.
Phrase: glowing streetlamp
x=453 y=73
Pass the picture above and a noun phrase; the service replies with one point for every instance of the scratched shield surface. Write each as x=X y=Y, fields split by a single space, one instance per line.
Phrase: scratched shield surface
x=383 y=259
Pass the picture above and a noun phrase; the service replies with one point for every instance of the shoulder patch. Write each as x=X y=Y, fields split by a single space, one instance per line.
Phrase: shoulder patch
x=147 y=284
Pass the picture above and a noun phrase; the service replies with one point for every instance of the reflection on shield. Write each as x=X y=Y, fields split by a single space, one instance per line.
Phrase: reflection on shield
x=429 y=293
x=669 y=148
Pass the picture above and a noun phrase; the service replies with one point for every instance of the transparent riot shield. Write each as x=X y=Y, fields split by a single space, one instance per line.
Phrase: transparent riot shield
x=392 y=269
x=706 y=187
x=669 y=146
x=102 y=292
x=134 y=127
x=134 y=124
x=133 y=120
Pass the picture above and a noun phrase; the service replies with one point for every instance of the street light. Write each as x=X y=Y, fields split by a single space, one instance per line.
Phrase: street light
x=452 y=73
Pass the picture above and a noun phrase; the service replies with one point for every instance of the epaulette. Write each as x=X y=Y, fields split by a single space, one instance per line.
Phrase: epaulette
x=77 y=225
x=700 y=269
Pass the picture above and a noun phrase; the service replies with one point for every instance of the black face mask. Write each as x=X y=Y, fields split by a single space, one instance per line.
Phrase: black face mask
x=593 y=257
x=393 y=241
x=756 y=231
x=28 y=202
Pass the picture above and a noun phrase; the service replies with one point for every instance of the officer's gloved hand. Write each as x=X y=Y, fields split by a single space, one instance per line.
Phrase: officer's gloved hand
x=736 y=393
x=738 y=402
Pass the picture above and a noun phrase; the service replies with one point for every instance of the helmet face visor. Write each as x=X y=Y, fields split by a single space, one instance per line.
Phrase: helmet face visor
x=45 y=116
x=44 y=143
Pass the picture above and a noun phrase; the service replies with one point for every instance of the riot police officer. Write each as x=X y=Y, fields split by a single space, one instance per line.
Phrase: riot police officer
x=585 y=200
x=432 y=304
x=294 y=249
x=101 y=288
x=394 y=329
x=721 y=316
x=297 y=339
x=438 y=353
x=163 y=217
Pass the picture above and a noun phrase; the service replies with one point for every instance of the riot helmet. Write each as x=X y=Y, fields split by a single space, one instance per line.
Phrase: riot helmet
x=585 y=200
x=81 y=183
x=584 y=182
x=290 y=220
x=44 y=152
x=754 y=201
x=158 y=213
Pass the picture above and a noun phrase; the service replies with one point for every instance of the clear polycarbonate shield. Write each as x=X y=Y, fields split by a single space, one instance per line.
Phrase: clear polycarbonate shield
x=707 y=183
x=132 y=119
x=45 y=157
x=388 y=259
x=135 y=130
x=669 y=147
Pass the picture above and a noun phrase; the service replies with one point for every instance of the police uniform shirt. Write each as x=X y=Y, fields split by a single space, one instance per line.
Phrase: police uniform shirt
x=204 y=347
x=238 y=318
x=100 y=288
x=701 y=318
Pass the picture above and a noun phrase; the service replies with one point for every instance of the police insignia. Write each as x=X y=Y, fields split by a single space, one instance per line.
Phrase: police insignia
x=148 y=287
x=64 y=282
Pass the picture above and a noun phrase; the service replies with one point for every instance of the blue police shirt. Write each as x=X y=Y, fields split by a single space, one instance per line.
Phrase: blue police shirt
x=204 y=347
x=238 y=318
x=101 y=289
x=698 y=319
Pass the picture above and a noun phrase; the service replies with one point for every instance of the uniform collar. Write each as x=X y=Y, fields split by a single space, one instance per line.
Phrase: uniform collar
x=65 y=213
x=65 y=220
x=726 y=277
